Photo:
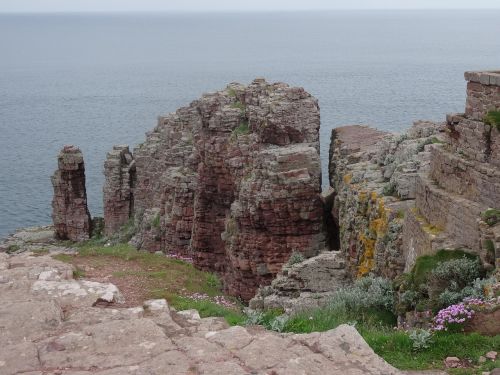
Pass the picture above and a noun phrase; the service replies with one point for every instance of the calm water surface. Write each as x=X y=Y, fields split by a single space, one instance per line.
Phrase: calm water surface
x=99 y=80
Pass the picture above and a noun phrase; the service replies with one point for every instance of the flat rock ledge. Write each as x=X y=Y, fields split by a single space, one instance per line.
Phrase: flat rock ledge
x=52 y=324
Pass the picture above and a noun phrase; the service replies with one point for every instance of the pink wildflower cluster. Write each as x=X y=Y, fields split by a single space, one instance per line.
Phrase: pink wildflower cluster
x=219 y=300
x=452 y=315
x=180 y=257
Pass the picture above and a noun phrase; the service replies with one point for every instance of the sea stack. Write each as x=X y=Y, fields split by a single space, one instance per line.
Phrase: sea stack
x=70 y=213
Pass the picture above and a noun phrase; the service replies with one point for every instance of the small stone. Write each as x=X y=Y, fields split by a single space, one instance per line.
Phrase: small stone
x=156 y=305
x=452 y=362
x=482 y=359
x=190 y=314
x=491 y=355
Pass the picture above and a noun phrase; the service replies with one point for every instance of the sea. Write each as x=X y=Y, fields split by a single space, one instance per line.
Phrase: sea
x=95 y=80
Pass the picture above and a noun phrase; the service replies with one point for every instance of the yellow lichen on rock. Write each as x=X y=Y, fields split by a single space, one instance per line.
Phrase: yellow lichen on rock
x=367 y=261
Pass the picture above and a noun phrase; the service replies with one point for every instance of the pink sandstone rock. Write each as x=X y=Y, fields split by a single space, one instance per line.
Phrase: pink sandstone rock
x=70 y=214
x=233 y=180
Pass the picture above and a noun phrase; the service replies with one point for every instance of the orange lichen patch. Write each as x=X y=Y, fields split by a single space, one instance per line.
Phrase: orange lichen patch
x=348 y=178
x=367 y=261
x=373 y=196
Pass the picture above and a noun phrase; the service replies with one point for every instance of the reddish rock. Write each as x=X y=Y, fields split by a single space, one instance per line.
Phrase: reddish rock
x=119 y=172
x=485 y=322
x=483 y=93
x=70 y=214
x=233 y=180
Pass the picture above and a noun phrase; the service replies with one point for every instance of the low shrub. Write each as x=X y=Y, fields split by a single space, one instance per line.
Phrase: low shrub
x=491 y=216
x=440 y=280
x=295 y=258
x=367 y=292
x=421 y=339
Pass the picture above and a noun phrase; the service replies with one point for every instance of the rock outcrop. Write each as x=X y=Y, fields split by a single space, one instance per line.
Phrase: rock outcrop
x=70 y=213
x=304 y=285
x=119 y=172
x=374 y=176
x=49 y=326
x=400 y=197
x=233 y=180
x=483 y=93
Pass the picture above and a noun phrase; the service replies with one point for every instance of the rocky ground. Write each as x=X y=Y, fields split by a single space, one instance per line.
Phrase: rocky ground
x=54 y=324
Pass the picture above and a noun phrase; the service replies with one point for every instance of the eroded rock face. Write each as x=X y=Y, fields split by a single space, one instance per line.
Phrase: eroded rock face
x=233 y=180
x=483 y=93
x=119 y=172
x=400 y=197
x=70 y=213
x=373 y=174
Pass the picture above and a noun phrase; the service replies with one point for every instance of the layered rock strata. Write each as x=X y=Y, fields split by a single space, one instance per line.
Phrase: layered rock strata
x=400 y=197
x=483 y=93
x=233 y=180
x=374 y=176
x=70 y=213
x=463 y=182
x=119 y=172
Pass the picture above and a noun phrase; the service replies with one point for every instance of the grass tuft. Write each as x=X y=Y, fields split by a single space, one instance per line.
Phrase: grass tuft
x=493 y=118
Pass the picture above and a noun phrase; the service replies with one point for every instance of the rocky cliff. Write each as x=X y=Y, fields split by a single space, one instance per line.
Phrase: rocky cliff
x=398 y=197
x=232 y=180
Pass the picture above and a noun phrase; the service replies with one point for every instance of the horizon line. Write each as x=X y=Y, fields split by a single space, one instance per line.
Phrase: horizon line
x=239 y=11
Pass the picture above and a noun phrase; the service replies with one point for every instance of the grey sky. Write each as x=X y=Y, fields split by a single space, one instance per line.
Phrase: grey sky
x=232 y=5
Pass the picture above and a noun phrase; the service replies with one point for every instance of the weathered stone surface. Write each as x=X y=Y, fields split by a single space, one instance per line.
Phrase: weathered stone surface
x=233 y=180
x=70 y=214
x=485 y=323
x=119 y=172
x=303 y=285
x=442 y=177
x=483 y=93
x=374 y=176
x=44 y=333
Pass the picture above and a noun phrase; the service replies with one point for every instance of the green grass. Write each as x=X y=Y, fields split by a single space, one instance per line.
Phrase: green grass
x=242 y=129
x=208 y=308
x=395 y=347
x=324 y=319
x=493 y=118
x=491 y=216
x=156 y=221
x=78 y=273
x=426 y=263
x=161 y=277
x=12 y=249
x=239 y=105
x=434 y=140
